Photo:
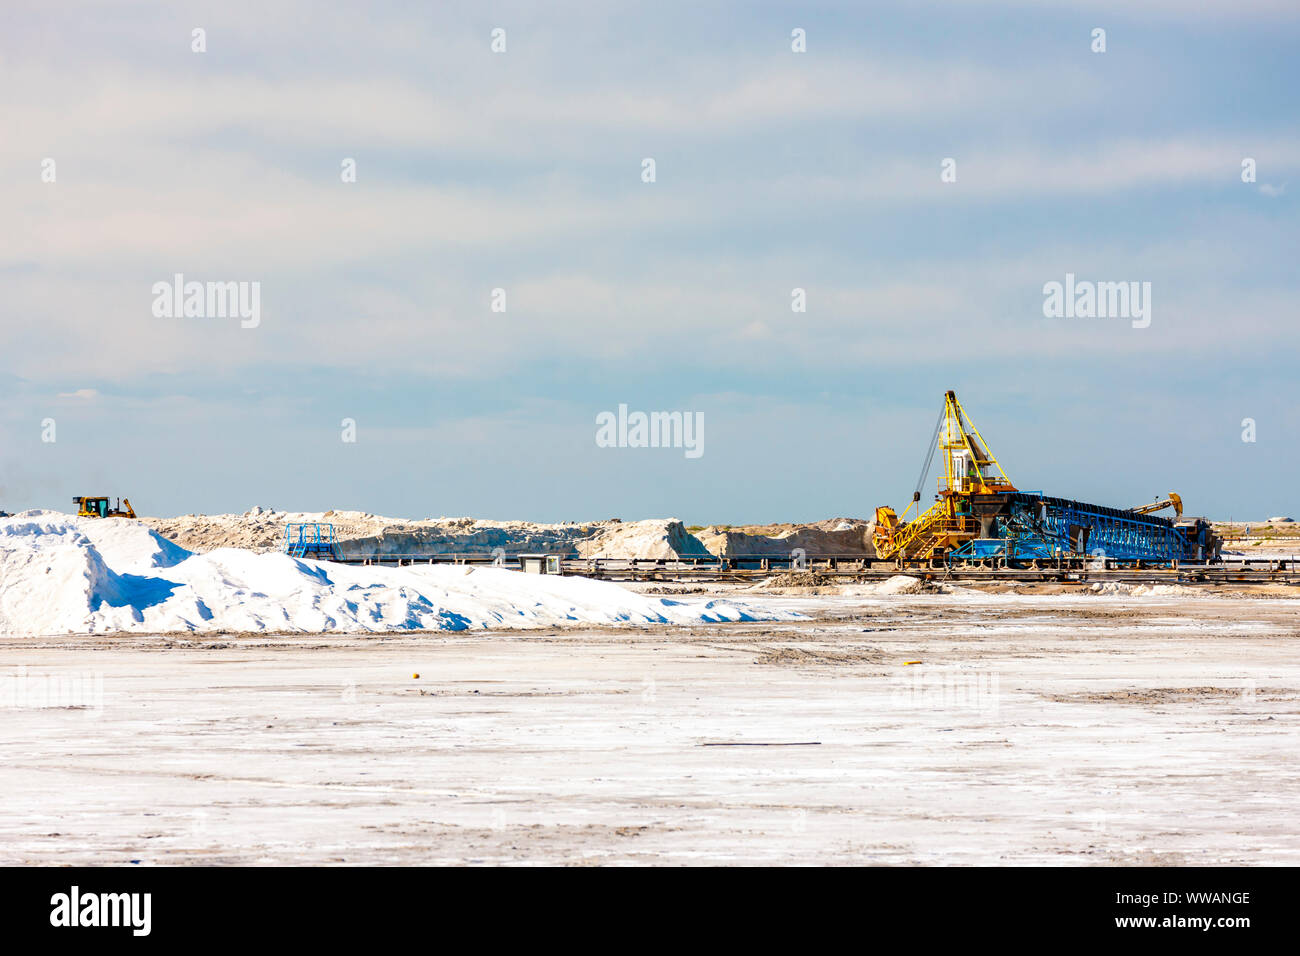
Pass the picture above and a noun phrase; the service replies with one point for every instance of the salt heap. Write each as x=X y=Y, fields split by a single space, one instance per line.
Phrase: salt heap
x=60 y=575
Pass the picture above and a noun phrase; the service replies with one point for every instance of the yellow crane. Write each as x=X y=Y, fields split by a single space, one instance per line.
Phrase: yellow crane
x=969 y=469
x=1173 y=501
x=97 y=506
x=978 y=513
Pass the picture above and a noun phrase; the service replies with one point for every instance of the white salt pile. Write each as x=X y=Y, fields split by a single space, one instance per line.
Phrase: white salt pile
x=1143 y=590
x=61 y=574
x=904 y=584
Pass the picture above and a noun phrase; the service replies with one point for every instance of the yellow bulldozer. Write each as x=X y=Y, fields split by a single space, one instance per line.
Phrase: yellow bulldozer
x=97 y=506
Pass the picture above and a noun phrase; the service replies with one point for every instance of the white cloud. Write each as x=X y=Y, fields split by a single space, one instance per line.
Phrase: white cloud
x=506 y=171
x=1181 y=10
x=1011 y=171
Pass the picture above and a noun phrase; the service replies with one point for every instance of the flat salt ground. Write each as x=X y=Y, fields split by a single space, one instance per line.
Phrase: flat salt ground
x=61 y=574
x=1118 y=731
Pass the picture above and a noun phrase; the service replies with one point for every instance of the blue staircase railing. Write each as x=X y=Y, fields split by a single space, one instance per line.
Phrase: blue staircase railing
x=310 y=539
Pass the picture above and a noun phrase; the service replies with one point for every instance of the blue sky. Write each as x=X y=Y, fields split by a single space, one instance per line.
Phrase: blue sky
x=522 y=170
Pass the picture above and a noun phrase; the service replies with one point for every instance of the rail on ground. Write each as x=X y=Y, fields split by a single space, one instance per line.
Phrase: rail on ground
x=849 y=568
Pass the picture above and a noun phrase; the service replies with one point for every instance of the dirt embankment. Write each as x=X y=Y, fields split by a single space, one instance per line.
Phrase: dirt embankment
x=361 y=533
x=834 y=536
x=1275 y=537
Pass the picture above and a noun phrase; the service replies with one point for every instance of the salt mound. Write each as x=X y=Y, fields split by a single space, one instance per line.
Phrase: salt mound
x=1143 y=590
x=60 y=574
x=1111 y=587
x=361 y=534
x=835 y=536
x=900 y=584
x=1169 y=590
x=906 y=584
x=809 y=582
x=653 y=538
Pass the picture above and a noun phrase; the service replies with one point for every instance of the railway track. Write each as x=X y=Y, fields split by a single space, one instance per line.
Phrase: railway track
x=856 y=568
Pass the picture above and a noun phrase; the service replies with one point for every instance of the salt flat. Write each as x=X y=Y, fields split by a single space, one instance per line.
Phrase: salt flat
x=1043 y=729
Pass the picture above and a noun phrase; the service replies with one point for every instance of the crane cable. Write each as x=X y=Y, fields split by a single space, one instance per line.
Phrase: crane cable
x=929 y=459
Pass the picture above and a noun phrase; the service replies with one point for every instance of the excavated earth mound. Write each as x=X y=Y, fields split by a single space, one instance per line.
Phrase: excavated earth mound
x=361 y=534
x=835 y=536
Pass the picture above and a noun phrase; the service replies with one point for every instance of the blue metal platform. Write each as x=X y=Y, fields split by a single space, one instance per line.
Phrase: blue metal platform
x=310 y=539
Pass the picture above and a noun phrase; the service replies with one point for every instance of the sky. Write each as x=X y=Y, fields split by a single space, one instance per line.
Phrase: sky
x=920 y=170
